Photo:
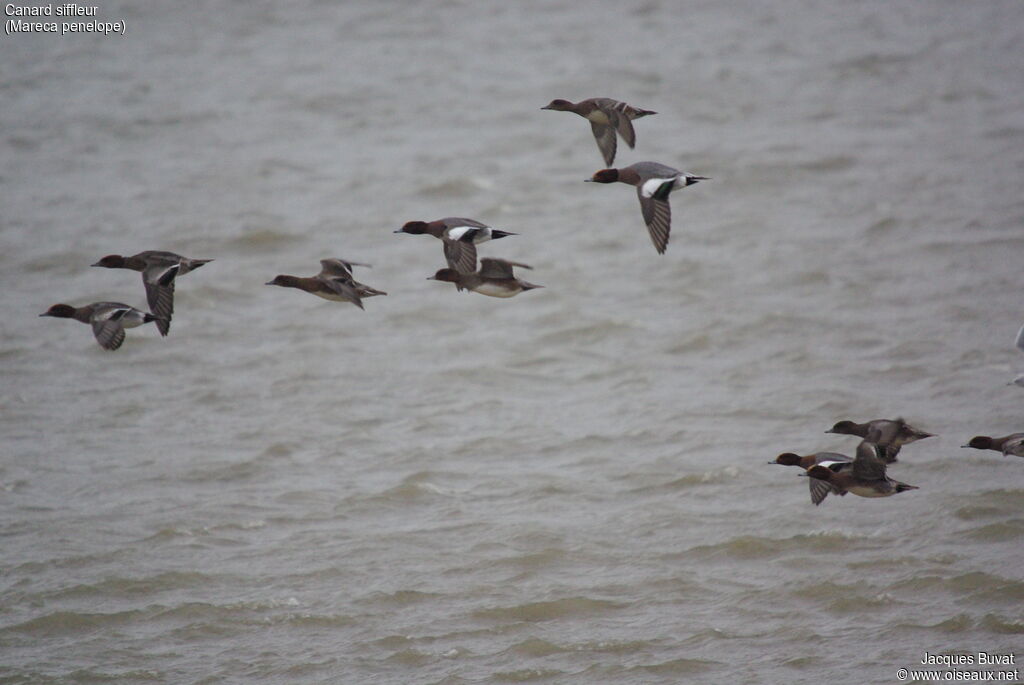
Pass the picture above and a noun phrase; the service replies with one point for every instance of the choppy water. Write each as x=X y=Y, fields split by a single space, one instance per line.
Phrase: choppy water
x=567 y=487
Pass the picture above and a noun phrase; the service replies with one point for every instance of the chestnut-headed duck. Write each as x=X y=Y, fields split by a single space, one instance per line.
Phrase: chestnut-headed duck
x=653 y=183
x=334 y=282
x=606 y=117
x=494 y=279
x=159 y=269
x=865 y=475
x=108 y=319
x=460 y=237
x=819 y=488
x=1008 y=444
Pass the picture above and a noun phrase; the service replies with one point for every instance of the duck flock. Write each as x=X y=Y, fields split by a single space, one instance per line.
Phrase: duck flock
x=864 y=474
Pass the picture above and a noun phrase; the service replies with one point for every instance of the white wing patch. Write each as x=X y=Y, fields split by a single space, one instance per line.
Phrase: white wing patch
x=651 y=185
x=459 y=232
x=113 y=313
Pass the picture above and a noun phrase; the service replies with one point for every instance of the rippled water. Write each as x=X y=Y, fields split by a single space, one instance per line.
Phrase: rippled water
x=570 y=486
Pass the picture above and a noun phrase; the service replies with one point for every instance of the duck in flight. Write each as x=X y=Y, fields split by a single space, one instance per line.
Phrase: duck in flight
x=607 y=117
x=159 y=271
x=459 y=235
x=865 y=476
x=334 y=282
x=892 y=434
x=108 y=320
x=494 y=279
x=653 y=183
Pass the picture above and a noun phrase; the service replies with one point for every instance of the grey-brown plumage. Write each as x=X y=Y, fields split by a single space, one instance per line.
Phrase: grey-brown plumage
x=159 y=271
x=607 y=117
x=342 y=270
x=654 y=182
x=892 y=434
x=494 y=279
x=334 y=282
x=108 y=320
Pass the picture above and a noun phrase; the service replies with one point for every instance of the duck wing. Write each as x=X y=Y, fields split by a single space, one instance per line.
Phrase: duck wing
x=161 y=303
x=820 y=490
x=499 y=268
x=1014 y=446
x=460 y=256
x=623 y=125
x=335 y=267
x=658 y=217
x=606 y=142
x=869 y=464
x=345 y=287
x=107 y=326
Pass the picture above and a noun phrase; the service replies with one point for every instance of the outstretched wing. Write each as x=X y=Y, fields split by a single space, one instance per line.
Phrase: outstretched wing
x=606 y=143
x=334 y=267
x=161 y=303
x=869 y=464
x=820 y=490
x=159 y=281
x=460 y=256
x=499 y=268
x=109 y=332
x=657 y=216
x=623 y=125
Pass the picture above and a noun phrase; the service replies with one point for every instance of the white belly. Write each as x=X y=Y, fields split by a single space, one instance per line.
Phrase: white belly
x=492 y=290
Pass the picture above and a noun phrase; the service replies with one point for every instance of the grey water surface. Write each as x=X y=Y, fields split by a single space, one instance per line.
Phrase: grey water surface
x=570 y=486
